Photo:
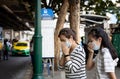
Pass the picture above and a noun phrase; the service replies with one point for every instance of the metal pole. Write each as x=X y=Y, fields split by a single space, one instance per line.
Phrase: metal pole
x=37 y=67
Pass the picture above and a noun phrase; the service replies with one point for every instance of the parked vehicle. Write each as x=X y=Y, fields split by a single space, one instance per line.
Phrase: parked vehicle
x=21 y=48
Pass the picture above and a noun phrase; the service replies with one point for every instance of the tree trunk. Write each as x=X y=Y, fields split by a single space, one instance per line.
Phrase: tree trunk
x=59 y=26
x=75 y=17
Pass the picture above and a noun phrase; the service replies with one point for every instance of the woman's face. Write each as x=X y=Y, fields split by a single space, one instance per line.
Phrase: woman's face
x=95 y=42
x=66 y=40
x=63 y=38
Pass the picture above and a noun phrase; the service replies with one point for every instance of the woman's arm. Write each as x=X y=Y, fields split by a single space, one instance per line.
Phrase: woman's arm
x=112 y=75
x=109 y=66
x=62 y=61
x=90 y=63
x=65 y=51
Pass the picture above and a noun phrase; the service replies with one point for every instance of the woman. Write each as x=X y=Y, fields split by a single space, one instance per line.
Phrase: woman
x=73 y=58
x=5 y=50
x=106 y=59
x=31 y=51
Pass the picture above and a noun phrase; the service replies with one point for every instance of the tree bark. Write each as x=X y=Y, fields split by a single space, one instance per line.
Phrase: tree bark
x=75 y=17
x=59 y=26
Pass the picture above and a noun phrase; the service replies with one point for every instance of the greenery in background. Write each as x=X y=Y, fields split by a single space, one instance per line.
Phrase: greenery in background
x=99 y=7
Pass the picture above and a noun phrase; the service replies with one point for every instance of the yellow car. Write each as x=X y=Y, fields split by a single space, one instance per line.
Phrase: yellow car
x=21 y=48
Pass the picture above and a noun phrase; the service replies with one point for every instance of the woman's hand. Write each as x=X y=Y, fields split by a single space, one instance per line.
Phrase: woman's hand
x=90 y=47
x=90 y=63
x=65 y=48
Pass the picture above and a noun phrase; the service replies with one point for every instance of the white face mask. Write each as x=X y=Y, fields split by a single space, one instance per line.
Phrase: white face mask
x=68 y=44
x=95 y=47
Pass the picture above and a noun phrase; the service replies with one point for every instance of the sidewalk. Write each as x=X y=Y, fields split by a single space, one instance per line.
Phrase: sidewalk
x=57 y=74
x=28 y=74
x=61 y=74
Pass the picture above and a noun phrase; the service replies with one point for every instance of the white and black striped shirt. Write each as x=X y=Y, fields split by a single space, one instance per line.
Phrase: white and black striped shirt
x=75 y=68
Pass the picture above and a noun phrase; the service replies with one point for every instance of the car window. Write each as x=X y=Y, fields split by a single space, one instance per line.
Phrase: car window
x=21 y=44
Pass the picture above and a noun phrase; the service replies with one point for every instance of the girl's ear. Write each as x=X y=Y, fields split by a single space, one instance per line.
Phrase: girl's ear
x=71 y=36
x=100 y=39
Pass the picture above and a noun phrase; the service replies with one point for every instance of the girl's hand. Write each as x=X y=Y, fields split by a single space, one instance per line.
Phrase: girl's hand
x=90 y=47
x=65 y=48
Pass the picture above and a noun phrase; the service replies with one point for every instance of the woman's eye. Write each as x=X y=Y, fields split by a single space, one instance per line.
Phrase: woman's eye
x=62 y=40
x=90 y=41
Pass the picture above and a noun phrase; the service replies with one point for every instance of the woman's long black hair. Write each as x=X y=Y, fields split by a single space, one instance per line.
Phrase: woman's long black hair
x=99 y=32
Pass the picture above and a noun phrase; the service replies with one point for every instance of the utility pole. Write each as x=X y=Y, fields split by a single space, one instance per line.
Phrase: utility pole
x=37 y=67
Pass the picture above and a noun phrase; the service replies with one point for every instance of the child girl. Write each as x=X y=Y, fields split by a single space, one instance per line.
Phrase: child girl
x=106 y=60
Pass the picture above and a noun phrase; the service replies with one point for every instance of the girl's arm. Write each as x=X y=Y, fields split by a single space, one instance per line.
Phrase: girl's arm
x=112 y=75
x=90 y=63
x=65 y=51
x=109 y=66
x=62 y=61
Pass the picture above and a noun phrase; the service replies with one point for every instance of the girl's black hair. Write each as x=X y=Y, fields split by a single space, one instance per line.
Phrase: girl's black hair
x=67 y=32
x=99 y=32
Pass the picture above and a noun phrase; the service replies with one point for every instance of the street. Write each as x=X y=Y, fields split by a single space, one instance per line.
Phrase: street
x=14 y=68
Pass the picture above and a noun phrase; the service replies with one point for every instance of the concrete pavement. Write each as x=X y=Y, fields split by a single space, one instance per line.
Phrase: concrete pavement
x=61 y=74
x=90 y=74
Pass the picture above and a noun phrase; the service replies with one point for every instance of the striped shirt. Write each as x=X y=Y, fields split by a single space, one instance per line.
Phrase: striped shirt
x=104 y=64
x=75 y=67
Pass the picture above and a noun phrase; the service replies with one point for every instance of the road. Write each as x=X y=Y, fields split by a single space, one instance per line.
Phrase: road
x=14 y=68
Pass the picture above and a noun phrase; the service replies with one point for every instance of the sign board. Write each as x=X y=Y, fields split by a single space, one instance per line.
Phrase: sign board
x=47 y=14
x=48 y=27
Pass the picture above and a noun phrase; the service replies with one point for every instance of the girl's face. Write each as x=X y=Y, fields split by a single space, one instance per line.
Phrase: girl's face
x=66 y=40
x=95 y=42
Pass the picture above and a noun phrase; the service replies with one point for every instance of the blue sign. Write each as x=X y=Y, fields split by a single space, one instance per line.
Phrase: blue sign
x=47 y=13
